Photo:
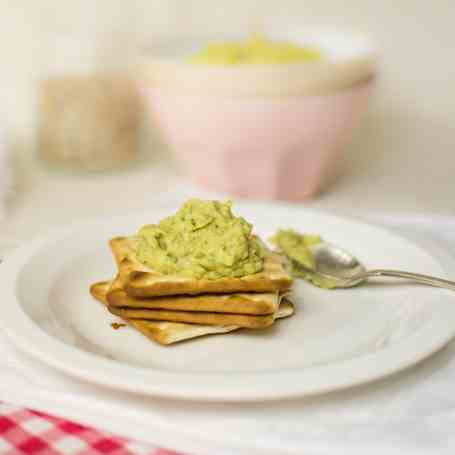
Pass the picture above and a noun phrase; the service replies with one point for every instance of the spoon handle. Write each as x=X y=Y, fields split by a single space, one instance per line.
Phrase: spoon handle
x=417 y=277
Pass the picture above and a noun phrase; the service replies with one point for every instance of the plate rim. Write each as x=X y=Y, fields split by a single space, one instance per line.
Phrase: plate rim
x=20 y=329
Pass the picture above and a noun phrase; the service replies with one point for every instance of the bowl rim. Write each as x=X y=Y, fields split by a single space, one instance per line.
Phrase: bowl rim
x=329 y=40
x=356 y=61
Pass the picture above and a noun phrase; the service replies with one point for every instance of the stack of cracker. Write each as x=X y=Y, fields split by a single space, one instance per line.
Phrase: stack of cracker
x=169 y=309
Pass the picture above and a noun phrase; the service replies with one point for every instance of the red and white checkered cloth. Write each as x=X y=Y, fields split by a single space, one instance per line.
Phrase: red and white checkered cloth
x=27 y=432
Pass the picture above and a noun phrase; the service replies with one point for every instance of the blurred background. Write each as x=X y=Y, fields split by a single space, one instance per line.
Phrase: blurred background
x=400 y=159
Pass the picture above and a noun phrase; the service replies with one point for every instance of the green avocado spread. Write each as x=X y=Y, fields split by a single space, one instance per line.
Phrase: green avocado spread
x=296 y=247
x=202 y=240
x=255 y=49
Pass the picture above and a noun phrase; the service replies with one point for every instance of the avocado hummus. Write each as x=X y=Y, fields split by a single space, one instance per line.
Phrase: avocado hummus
x=295 y=247
x=256 y=49
x=202 y=240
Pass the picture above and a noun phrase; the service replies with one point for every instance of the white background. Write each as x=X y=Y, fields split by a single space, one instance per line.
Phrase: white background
x=401 y=159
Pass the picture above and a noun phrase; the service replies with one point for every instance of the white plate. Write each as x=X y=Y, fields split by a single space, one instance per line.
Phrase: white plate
x=336 y=338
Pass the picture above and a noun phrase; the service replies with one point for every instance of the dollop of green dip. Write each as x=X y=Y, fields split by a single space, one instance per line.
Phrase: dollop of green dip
x=296 y=247
x=202 y=240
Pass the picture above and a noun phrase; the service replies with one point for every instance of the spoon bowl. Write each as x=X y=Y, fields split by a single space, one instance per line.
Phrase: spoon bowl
x=334 y=262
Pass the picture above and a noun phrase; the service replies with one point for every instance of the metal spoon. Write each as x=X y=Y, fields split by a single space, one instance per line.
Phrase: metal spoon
x=342 y=270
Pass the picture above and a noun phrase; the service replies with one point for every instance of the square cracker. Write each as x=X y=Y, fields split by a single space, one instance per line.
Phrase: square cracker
x=167 y=333
x=141 y=281
x=195 y=317
x=240 y=303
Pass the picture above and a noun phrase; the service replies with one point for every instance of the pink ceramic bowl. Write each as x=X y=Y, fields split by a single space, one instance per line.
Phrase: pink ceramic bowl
x=262 y=131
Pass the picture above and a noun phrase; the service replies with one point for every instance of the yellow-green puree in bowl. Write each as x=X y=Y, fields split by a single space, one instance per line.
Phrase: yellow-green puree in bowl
x=256 y=49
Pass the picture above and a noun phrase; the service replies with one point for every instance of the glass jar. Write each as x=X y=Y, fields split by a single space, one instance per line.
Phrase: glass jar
x=88 y=118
